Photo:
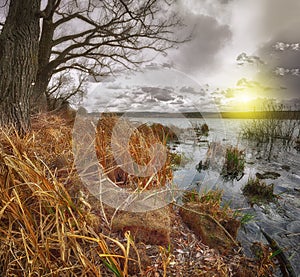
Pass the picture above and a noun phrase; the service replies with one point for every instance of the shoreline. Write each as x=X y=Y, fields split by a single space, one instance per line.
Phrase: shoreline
x=221 y=115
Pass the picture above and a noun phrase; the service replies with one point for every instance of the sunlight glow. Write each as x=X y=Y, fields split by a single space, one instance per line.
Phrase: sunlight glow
x=243 y=97
x=243 y=100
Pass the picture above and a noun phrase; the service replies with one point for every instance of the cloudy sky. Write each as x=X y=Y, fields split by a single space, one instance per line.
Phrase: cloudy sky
x=241 y=51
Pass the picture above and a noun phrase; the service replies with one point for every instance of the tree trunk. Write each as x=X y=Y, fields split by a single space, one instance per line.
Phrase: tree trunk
x=19 y=41
x=39 y=100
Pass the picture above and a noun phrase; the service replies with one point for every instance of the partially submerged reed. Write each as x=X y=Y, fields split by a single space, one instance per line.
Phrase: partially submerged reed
x=234 y=163
x=279 y=126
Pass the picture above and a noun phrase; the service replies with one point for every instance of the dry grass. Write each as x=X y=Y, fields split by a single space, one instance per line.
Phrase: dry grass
x=141 y=162
x=44 y=230
x=210 y=205
x=211 y=202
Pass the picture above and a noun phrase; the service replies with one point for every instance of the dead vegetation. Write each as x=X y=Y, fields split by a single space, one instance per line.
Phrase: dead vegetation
x=45 y=228
x=131 y=156
x=49 y=226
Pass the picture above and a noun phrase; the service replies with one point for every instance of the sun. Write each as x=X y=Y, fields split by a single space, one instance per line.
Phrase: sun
x=243 y=101
x=243 y=97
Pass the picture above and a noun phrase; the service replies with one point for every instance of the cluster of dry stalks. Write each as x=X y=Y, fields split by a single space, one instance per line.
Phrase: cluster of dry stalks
x=145 y=153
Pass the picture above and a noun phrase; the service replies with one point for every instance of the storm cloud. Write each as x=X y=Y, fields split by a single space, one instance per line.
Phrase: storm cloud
x=208 y=37
x=282 y=25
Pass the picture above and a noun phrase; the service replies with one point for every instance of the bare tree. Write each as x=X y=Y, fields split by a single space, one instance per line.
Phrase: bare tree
x=89 y=36
x=100 y=37
x=65 y=88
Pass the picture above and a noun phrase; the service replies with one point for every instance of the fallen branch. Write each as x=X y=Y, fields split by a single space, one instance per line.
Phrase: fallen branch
x=285 y=265
x=212 y=218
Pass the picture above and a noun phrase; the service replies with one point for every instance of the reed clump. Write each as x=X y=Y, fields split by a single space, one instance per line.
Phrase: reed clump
x=279 y=126
x=210 y=202
x=138 y=160
x=234 y=163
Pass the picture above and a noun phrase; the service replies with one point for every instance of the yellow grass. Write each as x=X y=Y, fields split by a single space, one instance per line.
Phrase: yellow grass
x=45 y=230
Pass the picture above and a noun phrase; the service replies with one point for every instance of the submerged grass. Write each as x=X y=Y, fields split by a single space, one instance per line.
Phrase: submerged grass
x=258 y=192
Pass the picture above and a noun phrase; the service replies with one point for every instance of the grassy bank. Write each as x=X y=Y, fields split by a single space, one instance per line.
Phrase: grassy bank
x=47 y=228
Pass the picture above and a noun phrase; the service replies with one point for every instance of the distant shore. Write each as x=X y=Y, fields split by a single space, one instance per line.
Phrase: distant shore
x=224 y=115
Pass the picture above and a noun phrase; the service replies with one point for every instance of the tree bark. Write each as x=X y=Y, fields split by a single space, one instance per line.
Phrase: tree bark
x=19 y=41
x=44 y=73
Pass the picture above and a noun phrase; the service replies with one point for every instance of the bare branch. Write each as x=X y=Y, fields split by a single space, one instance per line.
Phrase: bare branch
x=131 y=14
x=48 y=12
x=71 y=37
x=5 y=4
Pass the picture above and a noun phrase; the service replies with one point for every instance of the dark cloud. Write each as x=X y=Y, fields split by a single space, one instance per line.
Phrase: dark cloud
x=225 y=1
x=207 y=39
x=101 y=79
x=167 y=65
x=191 y=90
x=161 y=94
x=177 y=102
x=149 y=101
x=163 y=97
x=138 y=92
x=187 y=89
x=281 y=65
x=281 y=22
x=243 y=58
x=153 y=66
x=158 y=66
